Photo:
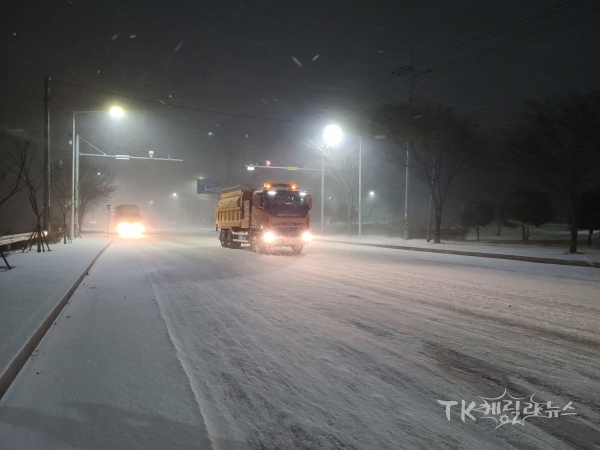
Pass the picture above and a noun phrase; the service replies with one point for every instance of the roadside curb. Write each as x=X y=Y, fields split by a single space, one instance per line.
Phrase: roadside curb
x=13 y=369
x=564 y=262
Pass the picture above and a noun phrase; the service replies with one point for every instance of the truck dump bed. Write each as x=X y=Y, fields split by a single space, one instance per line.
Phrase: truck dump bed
x=233 y=209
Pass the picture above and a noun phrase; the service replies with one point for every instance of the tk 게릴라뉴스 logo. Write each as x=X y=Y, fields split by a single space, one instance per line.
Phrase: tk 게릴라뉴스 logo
x=508 y=410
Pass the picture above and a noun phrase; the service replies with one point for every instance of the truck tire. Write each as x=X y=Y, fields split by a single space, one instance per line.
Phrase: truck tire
x=231 y=243
x=223 y=237
x=297 y=249
x=254 y=243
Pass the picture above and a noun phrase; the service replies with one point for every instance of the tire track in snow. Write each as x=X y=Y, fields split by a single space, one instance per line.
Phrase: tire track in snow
x=329 y=353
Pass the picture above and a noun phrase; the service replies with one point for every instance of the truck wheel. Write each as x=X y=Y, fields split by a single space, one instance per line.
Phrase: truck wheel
x=254 y=243
x=223 y=237
x=230 y=242
x=297 y=249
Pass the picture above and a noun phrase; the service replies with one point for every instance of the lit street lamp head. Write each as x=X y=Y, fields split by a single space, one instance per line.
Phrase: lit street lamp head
x=117 y=111
x=333 y=135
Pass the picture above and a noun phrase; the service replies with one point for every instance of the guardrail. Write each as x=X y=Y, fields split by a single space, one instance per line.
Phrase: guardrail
x=11 y=239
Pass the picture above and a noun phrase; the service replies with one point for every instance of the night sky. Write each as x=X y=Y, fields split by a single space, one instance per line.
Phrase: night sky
x=222 y=84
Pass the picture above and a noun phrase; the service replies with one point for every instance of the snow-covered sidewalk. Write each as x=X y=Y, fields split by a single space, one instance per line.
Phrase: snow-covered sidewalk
x=33 y=292
x=106 y=374
x=550 y=253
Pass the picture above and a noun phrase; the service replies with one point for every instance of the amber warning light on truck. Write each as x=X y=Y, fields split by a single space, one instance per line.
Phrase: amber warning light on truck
x=128 y=220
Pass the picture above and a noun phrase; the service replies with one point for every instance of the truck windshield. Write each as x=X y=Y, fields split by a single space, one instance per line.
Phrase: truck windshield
x=286 y=203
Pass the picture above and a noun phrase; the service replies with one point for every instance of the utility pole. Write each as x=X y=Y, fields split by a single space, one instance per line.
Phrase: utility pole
x=46 y=211
x=410 y=100
x=430 y=203
x=322 y=192
x=359 y=187
x=413 y=75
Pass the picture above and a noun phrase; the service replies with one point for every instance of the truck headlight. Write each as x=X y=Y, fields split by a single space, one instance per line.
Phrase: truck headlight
x=306 y=236
x=269 y=237
x=130 y=230
x=123 y=228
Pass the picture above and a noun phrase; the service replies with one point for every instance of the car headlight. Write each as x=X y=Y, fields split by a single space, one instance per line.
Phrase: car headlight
x=269 y=237
x=306 y=236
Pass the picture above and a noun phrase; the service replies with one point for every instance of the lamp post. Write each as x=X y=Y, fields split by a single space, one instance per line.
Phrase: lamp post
x=406 y=219
x=359 y=187
x=333 y=136
x=322 y=192
x=108 y=210
x=372 y=200
x=115 y=111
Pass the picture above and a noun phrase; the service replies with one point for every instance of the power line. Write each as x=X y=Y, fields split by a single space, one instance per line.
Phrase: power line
x=497 y=46
x=189 y=108
x=498 y=32
x=513 y=40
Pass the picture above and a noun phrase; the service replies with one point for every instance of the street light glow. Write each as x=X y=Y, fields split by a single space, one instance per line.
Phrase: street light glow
x=117 y=111
x=333 y=135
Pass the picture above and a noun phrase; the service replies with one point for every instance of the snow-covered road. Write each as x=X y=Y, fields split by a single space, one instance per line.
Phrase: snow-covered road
x=344 y=347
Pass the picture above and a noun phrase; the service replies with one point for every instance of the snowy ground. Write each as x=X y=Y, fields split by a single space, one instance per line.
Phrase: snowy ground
x=173 y=337
x=35 y=285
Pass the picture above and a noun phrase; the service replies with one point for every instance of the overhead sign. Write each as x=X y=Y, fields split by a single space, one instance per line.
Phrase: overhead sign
x=208 y=187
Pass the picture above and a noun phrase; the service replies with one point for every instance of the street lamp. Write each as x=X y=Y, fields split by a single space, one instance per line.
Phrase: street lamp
x=333 y=136
x=115 y=111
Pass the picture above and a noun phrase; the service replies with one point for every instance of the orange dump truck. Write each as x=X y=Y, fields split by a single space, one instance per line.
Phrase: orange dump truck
x=275 y=215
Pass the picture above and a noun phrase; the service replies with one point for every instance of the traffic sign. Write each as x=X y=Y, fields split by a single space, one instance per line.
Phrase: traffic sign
x=208 y=187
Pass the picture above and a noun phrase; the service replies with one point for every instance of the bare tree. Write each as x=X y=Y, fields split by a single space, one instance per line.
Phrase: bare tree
x=526 y=206
x=559 y=142
x=95 y=186
x=341 y=163
x=12 y=166
x=32 y=176
x=442 y=146
x=61 y=198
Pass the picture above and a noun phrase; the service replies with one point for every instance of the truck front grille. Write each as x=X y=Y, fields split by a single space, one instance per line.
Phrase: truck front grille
x=289 y=230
